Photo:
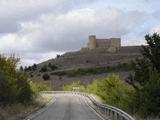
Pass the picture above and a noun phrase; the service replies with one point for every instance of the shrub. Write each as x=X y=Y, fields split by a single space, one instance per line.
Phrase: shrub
x=14 y=86
x=58 y=56
x=113 y=91
x=34 y=66
x=21 y=68
x=44 y=69
x=37 y=87
x=25 y=92
x=7 y=95
x=52 y=67
x=147 y=100
x=46 y=76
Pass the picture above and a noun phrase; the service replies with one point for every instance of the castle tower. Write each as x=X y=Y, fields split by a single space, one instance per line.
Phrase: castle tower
x=92 y=42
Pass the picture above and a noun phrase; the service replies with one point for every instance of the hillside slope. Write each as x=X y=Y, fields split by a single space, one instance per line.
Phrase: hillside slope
x=84 y=67
x=80 y=59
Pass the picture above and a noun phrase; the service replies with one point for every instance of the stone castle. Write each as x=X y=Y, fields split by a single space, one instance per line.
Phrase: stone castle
x=110 y=45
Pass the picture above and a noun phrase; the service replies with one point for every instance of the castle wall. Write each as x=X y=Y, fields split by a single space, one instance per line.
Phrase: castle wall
x=103 y=43
x=115 y=42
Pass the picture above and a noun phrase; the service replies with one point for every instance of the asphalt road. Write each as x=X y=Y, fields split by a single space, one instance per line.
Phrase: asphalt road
x=68 y=107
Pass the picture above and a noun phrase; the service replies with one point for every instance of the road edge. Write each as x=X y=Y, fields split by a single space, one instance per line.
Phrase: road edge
x=93 y=109
x=41 y=110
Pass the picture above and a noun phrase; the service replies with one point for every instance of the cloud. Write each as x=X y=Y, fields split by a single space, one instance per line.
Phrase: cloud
x=69 y=31
x=12 y=12
x=43 y=28
x=155 y=29
x=31 y=58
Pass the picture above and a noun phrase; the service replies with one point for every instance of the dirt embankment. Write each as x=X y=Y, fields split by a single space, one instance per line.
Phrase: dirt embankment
x=20 y=111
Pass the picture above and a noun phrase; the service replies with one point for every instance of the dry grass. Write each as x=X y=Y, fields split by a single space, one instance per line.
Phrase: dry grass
x=20 y=111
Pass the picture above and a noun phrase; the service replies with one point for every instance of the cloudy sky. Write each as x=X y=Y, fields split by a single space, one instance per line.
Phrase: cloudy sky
x=36 y=30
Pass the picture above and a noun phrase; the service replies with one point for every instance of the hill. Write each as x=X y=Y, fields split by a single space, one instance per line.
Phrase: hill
x=92 y=64
x=80 y=59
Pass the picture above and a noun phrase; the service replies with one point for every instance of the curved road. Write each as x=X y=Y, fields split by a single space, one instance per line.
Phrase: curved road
x=68 y=107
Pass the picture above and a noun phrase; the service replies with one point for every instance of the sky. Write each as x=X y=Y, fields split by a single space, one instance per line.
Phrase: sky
x=38 y=30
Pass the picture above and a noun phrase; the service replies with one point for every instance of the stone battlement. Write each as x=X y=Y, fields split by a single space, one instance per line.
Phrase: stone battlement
x=110 y=45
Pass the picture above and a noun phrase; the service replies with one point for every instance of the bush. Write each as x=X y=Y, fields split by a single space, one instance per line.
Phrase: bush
x=46 y=76
x=52 y=67
x=25 y=92
x=7 y=95
x=14 y=86
x=147 y=100
x=44 y=69
x=37 y=87
x=113 y=91
x=58 y=56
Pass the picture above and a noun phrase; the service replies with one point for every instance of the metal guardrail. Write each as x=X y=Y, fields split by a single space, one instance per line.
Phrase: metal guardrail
x=113 y=112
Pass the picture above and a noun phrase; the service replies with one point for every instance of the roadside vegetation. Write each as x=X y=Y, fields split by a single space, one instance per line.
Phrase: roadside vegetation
x=16 y=88
x=113 y=91
x=146 y=79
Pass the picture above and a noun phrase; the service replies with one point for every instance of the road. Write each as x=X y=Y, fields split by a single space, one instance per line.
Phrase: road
x=68 y=107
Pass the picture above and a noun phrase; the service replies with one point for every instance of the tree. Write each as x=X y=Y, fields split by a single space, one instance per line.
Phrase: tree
x=14 y=86
x=35 y=66
x=146 y=78
x=25 y=69
x=21 y=68
x=46 y=76
x=141 y=73
x=150 y=61
x=52 y=67
x=58 y=56
x=151 y=51
x=44 y=68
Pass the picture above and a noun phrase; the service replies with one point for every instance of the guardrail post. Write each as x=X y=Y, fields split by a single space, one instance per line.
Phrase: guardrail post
x=121 y=118
x=113 y=115
x=107 y=112
x=117 y=116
